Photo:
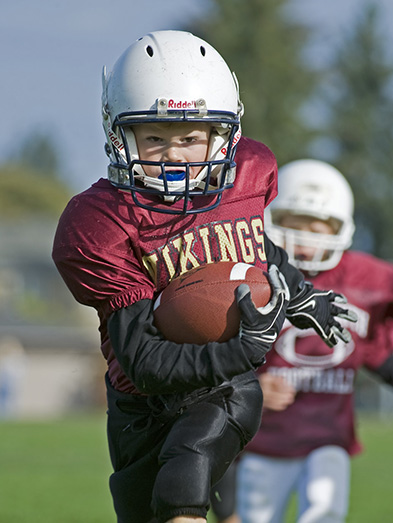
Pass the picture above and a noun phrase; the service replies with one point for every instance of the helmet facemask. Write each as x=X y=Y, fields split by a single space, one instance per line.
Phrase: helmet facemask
x=327 y=248
x=126 y=169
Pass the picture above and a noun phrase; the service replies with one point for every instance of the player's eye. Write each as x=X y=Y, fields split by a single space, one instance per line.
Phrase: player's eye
x=153 y=139
x=191 y=139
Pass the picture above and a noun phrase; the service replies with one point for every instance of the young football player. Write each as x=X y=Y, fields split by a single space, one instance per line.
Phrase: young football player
x=184 y=190
x=307 y=433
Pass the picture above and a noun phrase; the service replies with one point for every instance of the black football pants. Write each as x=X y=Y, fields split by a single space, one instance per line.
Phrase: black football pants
x=166 y=467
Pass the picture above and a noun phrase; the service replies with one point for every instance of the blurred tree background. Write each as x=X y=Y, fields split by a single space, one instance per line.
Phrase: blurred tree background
x=264 y=46
x=358 y=136
x=31 y=182
x=337 y=110
x=33 y=194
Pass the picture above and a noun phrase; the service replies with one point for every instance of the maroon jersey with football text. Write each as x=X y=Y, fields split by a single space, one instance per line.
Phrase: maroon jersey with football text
x=323 y=410
x=112 y=253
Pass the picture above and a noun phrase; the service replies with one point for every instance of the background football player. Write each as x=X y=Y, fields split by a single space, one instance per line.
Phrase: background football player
x=307 y=433
x=184 y=189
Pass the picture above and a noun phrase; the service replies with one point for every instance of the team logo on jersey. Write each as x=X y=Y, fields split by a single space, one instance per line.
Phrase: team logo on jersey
x=287 y=344
x=291 y=338
x=241 y=240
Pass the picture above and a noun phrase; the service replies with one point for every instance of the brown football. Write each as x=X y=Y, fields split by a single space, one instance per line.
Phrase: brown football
x=200 y=306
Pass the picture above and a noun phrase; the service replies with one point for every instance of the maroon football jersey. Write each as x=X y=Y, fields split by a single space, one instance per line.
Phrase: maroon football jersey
x=112 y=253
x=323 y=411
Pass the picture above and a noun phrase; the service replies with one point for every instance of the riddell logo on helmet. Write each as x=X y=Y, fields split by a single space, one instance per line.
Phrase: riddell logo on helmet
x=114 y=139
x=181 y=104
x=236 y=138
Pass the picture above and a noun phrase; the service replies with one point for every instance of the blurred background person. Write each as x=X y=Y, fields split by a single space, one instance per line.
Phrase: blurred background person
x=12 y=373
x=307 y=435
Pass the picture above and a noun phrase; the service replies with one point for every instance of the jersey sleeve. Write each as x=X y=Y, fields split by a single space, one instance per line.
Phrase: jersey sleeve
x=278 y=256
x=95 y=258
x=379 y=301
x=379 y=346
x=258 y=166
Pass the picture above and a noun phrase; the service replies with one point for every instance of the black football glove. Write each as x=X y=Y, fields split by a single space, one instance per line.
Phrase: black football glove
x=259 y=328
x=313 y=308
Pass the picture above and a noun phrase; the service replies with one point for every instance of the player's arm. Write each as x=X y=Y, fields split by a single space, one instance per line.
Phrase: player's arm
x=159 y=366
x=385 y=371
x=278 y=393
x=381 y=331
x=277 y=256
x=310 y=307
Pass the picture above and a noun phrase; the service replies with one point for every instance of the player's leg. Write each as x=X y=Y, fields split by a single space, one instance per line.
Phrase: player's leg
x=264 y=487
x=324 y=492
x=135 y=440
x=223 y=497
x=201 y=445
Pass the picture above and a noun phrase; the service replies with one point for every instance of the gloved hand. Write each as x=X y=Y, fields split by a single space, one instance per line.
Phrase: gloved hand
x=313 y=308
x=259 y=328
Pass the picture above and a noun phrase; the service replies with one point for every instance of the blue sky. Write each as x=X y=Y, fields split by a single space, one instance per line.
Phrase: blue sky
x=52 y=53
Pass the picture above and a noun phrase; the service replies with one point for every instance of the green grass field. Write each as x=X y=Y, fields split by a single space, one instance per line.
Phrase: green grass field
x=57 y=472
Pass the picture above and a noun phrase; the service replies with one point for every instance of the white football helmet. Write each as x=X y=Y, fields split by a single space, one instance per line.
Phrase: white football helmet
x=171 y=76
x=312 y=188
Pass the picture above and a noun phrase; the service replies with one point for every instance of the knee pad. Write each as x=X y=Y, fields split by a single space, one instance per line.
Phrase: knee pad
x=197 y=452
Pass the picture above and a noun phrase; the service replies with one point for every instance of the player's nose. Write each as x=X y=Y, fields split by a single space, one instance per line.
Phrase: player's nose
x=173 y=153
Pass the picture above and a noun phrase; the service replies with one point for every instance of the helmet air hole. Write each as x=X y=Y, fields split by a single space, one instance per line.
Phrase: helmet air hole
x=203 y=50
x=149 y=50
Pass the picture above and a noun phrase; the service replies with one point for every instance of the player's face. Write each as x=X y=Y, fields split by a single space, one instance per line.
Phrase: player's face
x=172 y=142
x=308 y=224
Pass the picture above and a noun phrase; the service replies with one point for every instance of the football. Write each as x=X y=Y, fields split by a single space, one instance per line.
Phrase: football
x=200 y=306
